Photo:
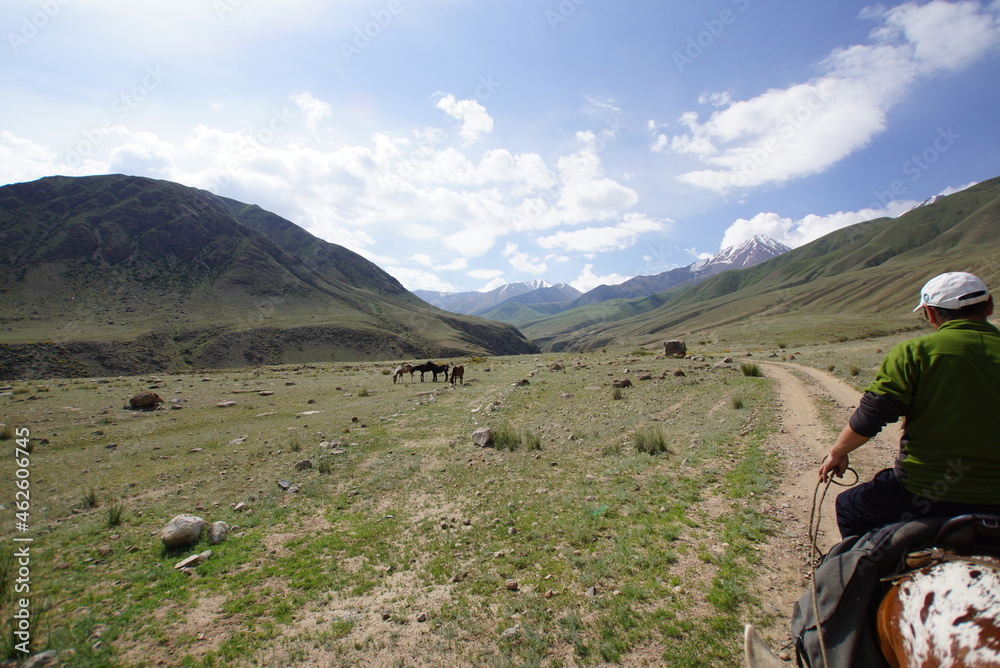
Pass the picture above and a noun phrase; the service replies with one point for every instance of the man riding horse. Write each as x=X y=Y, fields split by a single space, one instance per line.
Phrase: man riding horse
x=946 y=387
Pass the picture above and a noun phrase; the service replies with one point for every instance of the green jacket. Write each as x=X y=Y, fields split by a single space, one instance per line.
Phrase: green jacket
x=950 y=383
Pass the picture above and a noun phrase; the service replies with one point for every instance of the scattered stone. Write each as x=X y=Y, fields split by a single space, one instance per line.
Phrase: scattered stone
x=182 y=530
x=284 y=484
x=482 y=437
x=422 y=617
x=145 y=401
x=237 y=441
x=225 y=404
x=592 y=592
x=40 y=660
x=511 y=632
x=674 y=348
x=239 y=507
x=303 y=465
x=621 y=383
x=218 y=532
x=264 y=393
x=512 y=585
x=194 y=560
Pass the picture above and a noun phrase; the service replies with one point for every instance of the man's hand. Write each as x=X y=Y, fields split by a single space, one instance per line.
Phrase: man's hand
x=833 y=465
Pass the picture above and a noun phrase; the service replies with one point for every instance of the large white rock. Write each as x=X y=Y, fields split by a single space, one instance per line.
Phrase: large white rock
x=183 y=530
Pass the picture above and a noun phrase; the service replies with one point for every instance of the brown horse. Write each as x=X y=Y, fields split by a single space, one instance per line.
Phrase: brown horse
x=458 y=373
x=397 y=375
x=941 y=609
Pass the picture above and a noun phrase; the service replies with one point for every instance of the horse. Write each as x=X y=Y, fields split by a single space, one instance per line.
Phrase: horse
x=435 y=369
x=941 y=609
x=458 y=373
x=397 y=375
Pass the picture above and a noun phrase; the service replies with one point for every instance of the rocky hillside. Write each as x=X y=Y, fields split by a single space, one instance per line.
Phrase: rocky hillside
x=133 y=274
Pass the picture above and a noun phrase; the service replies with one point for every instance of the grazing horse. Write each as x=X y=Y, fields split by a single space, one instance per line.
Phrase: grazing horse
x=397 y=375
x=458 y=373
x=435 y=369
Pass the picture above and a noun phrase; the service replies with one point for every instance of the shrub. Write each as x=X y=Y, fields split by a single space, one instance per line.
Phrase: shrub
x=89 y=498
x=115 y=512
x=650 y=441
x=854 y=370
x=506 y=437
x=737 y=402
x=751 y=370
x=617 y=393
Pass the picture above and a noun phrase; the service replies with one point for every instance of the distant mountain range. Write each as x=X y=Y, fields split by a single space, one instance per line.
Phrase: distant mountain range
x=518 y=302
x=530 y=292
x=857 y=282
x=122 y=274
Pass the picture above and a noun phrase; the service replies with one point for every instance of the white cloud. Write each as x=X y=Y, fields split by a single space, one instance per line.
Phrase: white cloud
x=418 y=279
x=522 y=261
x=796 y=232
x=588 y=280
x=474 y=120
x=602 y=239
x=313 y=109
x=787 y=133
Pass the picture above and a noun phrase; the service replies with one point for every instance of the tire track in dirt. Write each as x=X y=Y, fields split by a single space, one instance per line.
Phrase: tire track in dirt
x=803 y=439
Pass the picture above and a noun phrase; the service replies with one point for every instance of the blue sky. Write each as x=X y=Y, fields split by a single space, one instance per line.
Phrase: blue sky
x=461 y=144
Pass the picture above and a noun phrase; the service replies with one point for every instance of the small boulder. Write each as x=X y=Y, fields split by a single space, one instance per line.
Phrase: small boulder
x=145 y=401
x=482 y=437
x=621 y=383
x=182 y=531
x=218 y=532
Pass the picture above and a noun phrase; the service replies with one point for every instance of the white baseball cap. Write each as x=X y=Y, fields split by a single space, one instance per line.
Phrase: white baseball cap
x=953 y=290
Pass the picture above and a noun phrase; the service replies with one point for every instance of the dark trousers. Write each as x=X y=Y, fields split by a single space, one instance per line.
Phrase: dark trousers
x=883 y=500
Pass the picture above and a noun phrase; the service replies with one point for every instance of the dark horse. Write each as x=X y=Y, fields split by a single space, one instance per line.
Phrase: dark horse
x=435 y=369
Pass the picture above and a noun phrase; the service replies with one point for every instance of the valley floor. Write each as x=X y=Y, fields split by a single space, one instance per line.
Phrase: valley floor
x=633 y=528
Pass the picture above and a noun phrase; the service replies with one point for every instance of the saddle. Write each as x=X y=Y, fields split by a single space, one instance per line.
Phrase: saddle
x=854 y=575
x=967 y=538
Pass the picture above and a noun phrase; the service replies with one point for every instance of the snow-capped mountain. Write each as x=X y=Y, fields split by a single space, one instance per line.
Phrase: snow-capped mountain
x=479 y=302
x=751 y=252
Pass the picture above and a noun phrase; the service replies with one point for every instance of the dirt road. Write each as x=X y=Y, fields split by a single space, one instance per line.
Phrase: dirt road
x=805 y=437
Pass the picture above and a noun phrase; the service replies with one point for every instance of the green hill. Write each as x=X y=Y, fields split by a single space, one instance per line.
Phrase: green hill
x=855 y=282
x=128 y=274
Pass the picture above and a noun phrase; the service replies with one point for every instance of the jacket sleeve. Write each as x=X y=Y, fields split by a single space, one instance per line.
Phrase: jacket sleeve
x=875 y=411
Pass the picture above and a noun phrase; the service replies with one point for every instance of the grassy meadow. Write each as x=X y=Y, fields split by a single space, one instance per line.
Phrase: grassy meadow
x=602 y=527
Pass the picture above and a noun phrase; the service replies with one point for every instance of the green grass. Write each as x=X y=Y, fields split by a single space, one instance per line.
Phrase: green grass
x=405 y=516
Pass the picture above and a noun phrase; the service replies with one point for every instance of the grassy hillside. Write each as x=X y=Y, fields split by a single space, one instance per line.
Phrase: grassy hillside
x=855 y=282
x=95 y=266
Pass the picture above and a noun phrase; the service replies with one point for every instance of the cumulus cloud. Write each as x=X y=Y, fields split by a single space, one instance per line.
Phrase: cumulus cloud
x=796 y=232
x=588 y=280
x=522 y=261
x=313 y=109
x=802 y=129
x=472 y=116
x=602 y=239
